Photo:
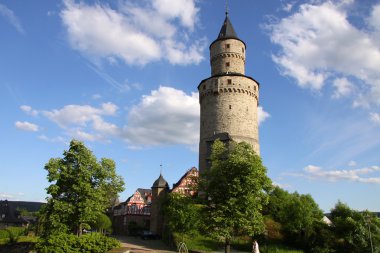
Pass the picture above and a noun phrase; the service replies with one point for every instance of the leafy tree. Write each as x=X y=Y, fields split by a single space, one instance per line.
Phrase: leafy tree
x=102 y=223
x=352 y=231
x=181 y=213
x=81 y=189
x=235 y=188
x=299 y=216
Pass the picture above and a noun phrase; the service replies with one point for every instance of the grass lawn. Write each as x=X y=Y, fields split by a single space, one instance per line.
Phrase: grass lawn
x=207 y=244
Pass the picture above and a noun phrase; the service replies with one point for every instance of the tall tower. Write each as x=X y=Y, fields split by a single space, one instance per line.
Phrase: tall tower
x=228 y=99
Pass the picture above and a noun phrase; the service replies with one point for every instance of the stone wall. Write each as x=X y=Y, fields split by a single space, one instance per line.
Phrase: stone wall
x=227 y=56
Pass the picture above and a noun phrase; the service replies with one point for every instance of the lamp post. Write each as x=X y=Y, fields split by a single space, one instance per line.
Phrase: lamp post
x=368 y=221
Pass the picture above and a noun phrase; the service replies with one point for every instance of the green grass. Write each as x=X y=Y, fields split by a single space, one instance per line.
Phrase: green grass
x=207 y=244
x=199 y=243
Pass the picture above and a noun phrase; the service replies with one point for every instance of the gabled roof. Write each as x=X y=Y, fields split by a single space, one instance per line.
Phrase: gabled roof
x=190 y=171
x=144 y=193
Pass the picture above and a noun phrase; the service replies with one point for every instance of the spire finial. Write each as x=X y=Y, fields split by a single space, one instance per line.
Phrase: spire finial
x=160 y=169
x=226 y=7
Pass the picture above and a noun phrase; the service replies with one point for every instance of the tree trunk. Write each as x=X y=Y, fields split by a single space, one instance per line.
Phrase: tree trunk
x=80 y=230
x=227 y=245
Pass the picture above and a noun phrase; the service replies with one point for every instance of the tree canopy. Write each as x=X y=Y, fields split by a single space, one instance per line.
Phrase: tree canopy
x=352 y=229
x=236 y=189
x=81 y=189
x=181 y=213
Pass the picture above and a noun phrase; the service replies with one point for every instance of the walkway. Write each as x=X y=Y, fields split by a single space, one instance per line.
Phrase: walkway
x=137 y=245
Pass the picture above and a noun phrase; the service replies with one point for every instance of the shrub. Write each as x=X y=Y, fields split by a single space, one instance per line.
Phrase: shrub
x=66 y=243
x=12 y=233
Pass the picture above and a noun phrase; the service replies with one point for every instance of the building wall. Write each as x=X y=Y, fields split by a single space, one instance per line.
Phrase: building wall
x=156 y=217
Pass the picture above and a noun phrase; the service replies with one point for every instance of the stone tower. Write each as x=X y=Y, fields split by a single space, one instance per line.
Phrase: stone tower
x=228 y=99
x=159 y=189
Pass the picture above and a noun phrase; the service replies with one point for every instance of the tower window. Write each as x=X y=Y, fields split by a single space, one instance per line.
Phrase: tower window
x=230 y=107
x=242 y=49
x=229 y=81
x=227 y=46
x=227 y=64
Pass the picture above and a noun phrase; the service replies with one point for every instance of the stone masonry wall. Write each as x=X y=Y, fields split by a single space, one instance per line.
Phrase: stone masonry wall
x=228 y=105
x=227 y=56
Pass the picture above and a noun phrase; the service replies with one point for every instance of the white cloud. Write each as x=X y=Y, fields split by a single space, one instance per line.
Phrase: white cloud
x=29 y=110
x=166 y=116
x=84 y=122
x=58 y=139
x=79 y=115
x=262 y=115
x=343 y=87
x=318 y=44
x=8 y=14
x=185 y=10
x=136 y=33
x=355 y=175
x=352 y=164
x=26 y=126
x=375 y=117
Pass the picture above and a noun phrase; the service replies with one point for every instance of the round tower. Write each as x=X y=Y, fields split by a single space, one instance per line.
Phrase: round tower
x=228 y=99
x=159 y=189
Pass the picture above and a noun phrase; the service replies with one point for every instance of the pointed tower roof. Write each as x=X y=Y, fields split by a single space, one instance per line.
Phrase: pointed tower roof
x=160 y=183
x=227 y=31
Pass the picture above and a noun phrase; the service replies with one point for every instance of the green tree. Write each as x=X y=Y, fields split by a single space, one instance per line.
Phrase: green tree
x=236 y=188
x=80 y=191
x=352 y=231
x=298 y=214
x=181 y=213
x=102 y=223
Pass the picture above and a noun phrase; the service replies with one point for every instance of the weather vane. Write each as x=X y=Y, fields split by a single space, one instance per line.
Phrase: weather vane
x=226 y=7
x=160 y=169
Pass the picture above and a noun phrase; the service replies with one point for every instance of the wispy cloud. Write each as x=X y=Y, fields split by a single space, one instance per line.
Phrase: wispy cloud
x=356 y=175
x=138 y=32
x=375 y=117
x=8 y=15
x=26 y=126
x=28 y=110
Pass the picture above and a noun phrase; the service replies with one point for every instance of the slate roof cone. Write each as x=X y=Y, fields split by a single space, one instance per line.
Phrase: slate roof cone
x=160 y=183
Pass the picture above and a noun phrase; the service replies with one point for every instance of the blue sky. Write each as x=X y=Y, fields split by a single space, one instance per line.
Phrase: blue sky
x=122 y=76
